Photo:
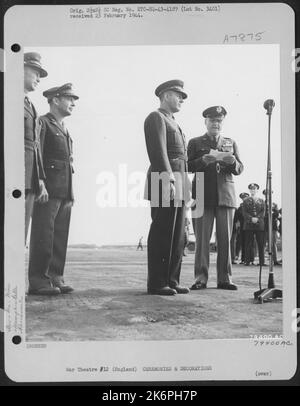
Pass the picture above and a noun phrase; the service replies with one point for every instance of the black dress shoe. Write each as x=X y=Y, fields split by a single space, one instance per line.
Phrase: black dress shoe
x=181 y=289
x=227 y=286
x=60 y=284
x=198 y=286
x=277 y=263
x=234 y=263
x=46 y=291
x=247 y=263
x=165 y=291
x=65 y=288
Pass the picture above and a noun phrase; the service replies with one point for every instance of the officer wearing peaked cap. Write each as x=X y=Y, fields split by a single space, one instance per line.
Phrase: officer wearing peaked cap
x=174 y=85
x=219 y=196
x=65 y=90
x=166 y=189
x=51 y=220
x=34 y=173
x=254 y=213
x=33 y=60
x=243 y=195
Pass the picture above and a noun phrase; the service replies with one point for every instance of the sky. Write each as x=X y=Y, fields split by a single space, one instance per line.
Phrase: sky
x=116 y=88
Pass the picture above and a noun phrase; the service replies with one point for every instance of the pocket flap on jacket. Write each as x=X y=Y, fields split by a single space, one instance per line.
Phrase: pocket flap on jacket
x=55 y=164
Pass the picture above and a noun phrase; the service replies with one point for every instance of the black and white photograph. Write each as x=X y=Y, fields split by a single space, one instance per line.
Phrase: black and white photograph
x=156 y=214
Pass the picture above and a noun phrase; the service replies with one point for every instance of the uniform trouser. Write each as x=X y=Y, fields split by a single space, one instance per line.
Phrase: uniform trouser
x=274 y=246
x=203 y=230
x=233 y=241
x=249 y=243
x=29 y=203
x=48 y=242
x=165 y=246
x=240 y=245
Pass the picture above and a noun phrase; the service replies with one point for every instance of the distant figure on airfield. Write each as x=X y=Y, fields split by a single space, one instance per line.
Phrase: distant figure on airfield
x=140 y=244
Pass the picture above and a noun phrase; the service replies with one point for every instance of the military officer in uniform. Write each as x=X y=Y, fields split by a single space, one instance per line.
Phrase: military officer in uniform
x=50 y=220
x=254 y=213
x=240 y=241
x=166 y=189
x=34 y=172
x=219 y=196
x=234 y=235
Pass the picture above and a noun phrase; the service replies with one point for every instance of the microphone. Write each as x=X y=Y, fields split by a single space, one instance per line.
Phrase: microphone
x=269 y=105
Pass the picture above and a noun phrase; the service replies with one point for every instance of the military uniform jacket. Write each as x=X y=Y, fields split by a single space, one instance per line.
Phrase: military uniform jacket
x=219 y=187
x=254 y=208
x=57 y=153
x=275 y=219
x=167 y=152
x=240 y=216
x=33 y=161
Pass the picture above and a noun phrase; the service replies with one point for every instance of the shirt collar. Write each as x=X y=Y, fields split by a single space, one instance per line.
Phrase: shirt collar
x=166 y=113
x=53 y=118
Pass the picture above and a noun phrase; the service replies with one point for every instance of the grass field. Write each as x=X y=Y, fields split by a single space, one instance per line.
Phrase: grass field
x=110 y=303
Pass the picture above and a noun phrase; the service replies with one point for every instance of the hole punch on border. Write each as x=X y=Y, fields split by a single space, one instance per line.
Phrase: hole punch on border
x=15 y=47
x=16 y=340
x=17 y=193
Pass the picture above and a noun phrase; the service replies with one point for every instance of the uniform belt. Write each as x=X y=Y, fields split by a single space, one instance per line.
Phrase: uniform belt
x=65 y=159
x=175 y=157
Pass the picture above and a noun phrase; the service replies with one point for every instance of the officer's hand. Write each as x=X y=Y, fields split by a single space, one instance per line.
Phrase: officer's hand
x=254 y=220
x=169 y=192
x=208 y=159
x=172 y=191
x=43 y=195
x=229 y=160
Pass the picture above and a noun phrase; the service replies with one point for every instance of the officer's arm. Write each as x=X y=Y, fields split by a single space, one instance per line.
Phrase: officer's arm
x=43 y=194
x=156 y=142
x=237 y=167
x=195 y=163
x=41 y=137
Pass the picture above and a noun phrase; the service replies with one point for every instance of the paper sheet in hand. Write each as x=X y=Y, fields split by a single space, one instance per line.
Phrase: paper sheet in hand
x=219 y=155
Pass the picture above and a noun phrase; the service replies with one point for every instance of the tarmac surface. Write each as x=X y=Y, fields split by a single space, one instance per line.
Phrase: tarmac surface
x=110 y=303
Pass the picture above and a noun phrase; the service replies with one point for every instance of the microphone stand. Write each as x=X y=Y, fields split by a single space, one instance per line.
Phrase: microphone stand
x=270 y=292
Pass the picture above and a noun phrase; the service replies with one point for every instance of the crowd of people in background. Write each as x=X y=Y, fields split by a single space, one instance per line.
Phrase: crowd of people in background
x=249 y=240
x=244 y=250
